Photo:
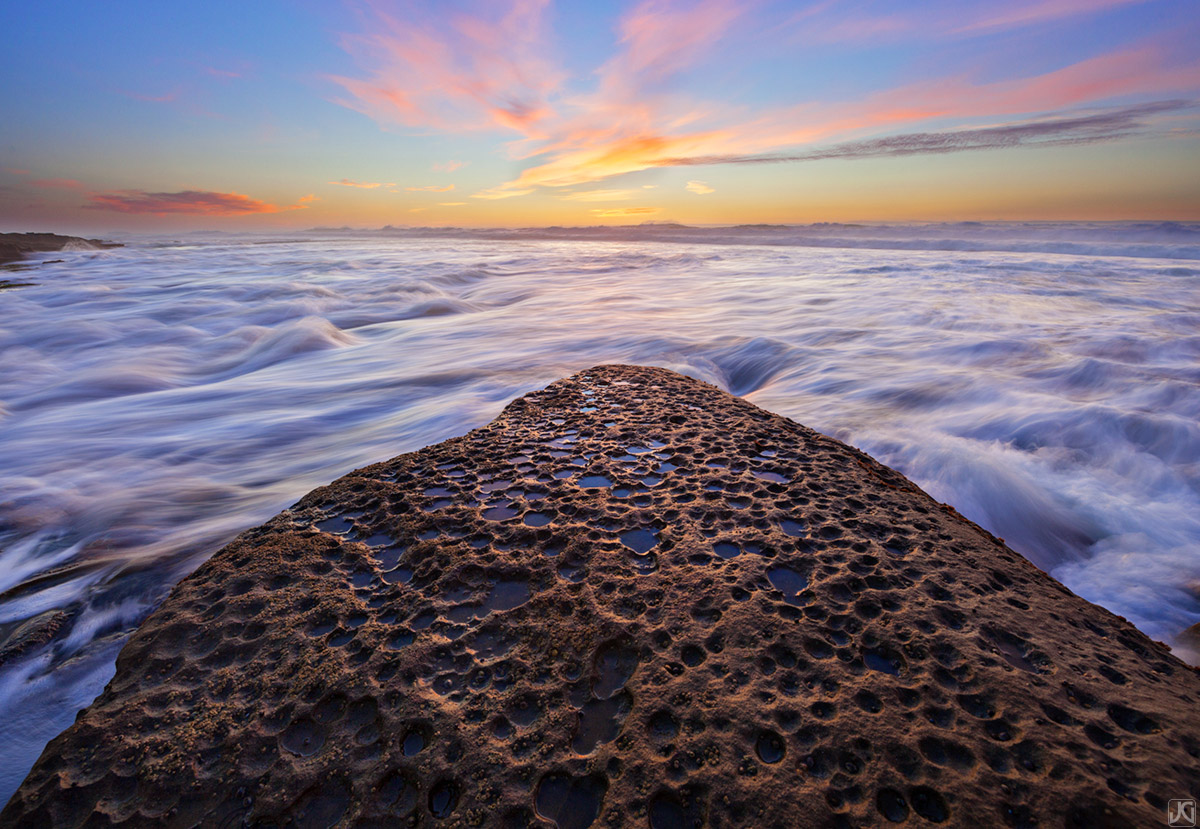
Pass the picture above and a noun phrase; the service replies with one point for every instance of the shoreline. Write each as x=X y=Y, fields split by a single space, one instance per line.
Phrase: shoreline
x=14 y=247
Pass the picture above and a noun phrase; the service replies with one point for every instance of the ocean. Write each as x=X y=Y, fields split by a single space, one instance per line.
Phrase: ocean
x=157 y=399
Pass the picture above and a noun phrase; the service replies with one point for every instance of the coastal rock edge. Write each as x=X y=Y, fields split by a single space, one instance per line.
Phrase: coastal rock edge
x=631 y=599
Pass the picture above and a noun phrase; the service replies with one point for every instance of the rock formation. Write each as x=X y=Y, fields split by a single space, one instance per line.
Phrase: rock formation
x=15 y=246
x=630 y=600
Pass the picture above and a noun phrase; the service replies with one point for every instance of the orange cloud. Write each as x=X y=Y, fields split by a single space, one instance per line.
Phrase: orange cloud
x=599 y=195
x=617 y=212
x=365 y=185
x=431 y=188
x=504 y=191
x=583 y=157
x=699 y=188
x=586 y=160
x=471 y=72
x=198 y=202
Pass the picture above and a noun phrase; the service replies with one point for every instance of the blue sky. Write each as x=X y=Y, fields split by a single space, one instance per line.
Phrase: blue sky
x=135 y=115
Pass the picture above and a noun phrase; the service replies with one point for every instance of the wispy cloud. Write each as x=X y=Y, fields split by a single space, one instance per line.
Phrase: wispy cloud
x=618 y=212
x=1107 y=125
x=843 y=23
x=225 y=74
x=493 y=72
x=599 y=195
x=16 y=172
x=1132 y=71
x=165 y=98
x=455 y=72
x=448 y=166
x=699 y=188
x=365 y=185
x=431 y=188
x=451 y=203
x=503 y=191
x=198 y=202
x=1032 y=12
x=190 y=98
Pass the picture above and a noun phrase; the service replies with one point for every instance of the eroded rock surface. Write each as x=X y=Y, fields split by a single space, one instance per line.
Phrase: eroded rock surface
x=631 y=600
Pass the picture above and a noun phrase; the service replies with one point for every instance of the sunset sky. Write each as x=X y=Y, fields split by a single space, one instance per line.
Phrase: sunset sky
x=155 y=116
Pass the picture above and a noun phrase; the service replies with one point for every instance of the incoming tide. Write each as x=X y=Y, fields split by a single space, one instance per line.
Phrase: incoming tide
x=158 y=399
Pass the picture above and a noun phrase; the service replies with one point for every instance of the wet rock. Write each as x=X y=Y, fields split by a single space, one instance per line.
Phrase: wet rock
x=631 y=599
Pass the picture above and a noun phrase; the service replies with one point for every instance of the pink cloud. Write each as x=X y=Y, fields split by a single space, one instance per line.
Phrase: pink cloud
x=660 y=39
x=1138 y=70
x=431 y=188
x=365 y=185
x=221 y=73
x=448 y=166
x=831 y=23
x=189 y=98
x=1126 y=72
x=1012 y=15
x=168 y=98
x=198 y=202
x=477 y=72
x=581 y=157
x=461 y=73
x=16 y=172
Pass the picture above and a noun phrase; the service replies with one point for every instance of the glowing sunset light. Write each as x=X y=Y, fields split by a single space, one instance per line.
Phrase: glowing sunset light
x=528 y=110
x=189 y=201
x=737 y=333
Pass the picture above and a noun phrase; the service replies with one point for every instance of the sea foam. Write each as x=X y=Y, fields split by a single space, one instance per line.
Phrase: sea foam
x=155 y=400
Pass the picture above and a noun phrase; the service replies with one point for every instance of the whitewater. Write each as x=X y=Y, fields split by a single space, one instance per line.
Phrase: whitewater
x=157 y=399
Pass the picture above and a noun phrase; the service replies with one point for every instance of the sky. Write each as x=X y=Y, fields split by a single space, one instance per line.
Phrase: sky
x=151 y=116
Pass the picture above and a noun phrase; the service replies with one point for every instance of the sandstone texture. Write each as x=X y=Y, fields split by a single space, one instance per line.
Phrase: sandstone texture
x=630 y=600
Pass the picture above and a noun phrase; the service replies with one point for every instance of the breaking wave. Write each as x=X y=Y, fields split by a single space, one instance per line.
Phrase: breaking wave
x=157 y=399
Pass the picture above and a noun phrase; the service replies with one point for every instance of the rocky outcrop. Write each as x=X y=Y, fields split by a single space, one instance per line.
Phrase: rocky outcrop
x=15 y=246
x=630 y=600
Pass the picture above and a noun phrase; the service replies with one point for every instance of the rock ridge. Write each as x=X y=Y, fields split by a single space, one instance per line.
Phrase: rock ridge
x=630 y=600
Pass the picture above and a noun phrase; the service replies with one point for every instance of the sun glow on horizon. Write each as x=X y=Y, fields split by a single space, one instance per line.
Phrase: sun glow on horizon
x=524 y=113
